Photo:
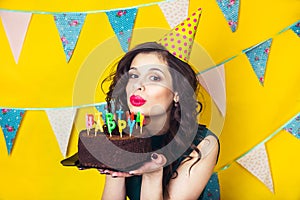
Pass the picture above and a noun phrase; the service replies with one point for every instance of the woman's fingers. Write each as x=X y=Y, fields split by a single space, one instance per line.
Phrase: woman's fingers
x=157 y=162
x=114 y=174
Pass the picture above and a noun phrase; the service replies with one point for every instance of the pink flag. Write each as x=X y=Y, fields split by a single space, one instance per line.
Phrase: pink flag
x=15 y=25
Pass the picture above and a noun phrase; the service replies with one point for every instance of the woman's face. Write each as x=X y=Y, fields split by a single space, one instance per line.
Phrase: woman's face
x=149 y=88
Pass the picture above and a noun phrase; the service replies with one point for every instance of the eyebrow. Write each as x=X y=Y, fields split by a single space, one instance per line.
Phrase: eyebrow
x=151 y=69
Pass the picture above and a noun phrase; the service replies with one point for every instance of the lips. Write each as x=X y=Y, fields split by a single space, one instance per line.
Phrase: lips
x=136 y=100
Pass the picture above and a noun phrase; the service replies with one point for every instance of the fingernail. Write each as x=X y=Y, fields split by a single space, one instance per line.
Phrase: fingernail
x=154 y=156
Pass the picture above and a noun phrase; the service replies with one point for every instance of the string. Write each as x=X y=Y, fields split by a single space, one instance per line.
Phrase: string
x=87 y=12
x=226 y=166
x=203 y=71
x=247 y=49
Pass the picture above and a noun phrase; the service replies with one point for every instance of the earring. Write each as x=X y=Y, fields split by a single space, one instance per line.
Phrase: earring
x=176 y=104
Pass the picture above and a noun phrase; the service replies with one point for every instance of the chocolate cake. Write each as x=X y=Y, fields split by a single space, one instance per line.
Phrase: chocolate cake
x=112 y=152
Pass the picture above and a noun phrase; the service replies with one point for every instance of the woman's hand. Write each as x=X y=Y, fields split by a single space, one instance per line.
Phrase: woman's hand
x=157 y=163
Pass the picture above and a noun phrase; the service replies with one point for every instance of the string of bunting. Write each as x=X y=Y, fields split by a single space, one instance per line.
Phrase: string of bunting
x=259 y=153
x=17 y=113
x=69 y=25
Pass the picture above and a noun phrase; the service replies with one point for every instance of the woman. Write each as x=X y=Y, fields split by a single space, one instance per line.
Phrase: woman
x=150 y=80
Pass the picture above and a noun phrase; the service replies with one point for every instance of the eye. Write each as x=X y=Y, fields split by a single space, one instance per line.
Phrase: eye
x=133 y=76
x=155 y=78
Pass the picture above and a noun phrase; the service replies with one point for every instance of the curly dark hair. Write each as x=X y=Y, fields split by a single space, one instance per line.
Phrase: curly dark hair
x=183 y=118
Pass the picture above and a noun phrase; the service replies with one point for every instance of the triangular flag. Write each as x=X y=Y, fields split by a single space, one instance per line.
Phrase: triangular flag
x=179 y=41
x=102 y=108
x=294 y=127
x=61 y=122
x=230 y=9
x=69 y=27
x=175 y=11
x=10 y=120
x=213 y=81
x=15 y=25
x=258 y=57
x=296 y=28
x=122 y=22
x=257 y=163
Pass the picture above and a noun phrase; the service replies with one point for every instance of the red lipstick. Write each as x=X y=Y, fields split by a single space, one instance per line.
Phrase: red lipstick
x=136 y=100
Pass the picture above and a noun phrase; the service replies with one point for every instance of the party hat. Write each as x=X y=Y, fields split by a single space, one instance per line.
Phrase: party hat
x=179 y=40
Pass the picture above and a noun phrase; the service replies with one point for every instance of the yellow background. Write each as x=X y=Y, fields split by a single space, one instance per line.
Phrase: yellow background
x=42 y=78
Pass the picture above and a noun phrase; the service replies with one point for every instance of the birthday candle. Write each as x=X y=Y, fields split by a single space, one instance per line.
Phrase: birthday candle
x=89 y=122
x=121 y=125
x=137 y=119
x=99 y=122
x=111 y=125
x=119 y=112
x=141 y=122
x=132 y=116
x=131 y=125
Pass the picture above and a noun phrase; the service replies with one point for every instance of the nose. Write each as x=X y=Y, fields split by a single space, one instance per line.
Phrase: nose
x=140 y=87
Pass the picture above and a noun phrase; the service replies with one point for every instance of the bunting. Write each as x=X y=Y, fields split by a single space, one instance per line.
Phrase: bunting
x=15 y=34
x=296 y=28
x=103 y=109
x=230 y=9
x=122 y=22
x=69 y=27
x=294 y=127
x=258 y=57
x=257 y=163
x=213 y=82
x=175 y=12
x=10 y=120
x=61 y=122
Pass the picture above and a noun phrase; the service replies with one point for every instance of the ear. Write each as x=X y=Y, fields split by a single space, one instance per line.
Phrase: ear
x=176 y=97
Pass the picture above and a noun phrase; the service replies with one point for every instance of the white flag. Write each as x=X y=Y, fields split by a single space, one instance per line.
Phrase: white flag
x=61 y=122
x=175 y=11
x=257 y=163
x=214 y=83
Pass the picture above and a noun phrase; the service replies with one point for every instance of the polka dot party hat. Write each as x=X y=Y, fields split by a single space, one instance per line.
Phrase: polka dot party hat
x=179 y=40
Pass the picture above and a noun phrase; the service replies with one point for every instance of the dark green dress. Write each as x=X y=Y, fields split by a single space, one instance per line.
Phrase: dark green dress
x=211 y=191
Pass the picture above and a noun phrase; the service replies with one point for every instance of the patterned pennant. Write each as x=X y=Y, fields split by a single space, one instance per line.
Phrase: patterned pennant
x=175 y=11
x=214 y=83
x=69 y=27
x=15 y=25
x=102 y=108
x=257 y=163
x=258 y=57
x=296 y=28
x=10 y=120
x=122 y=22
x=61 y=122
x=294 y=127
x=230 y=9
